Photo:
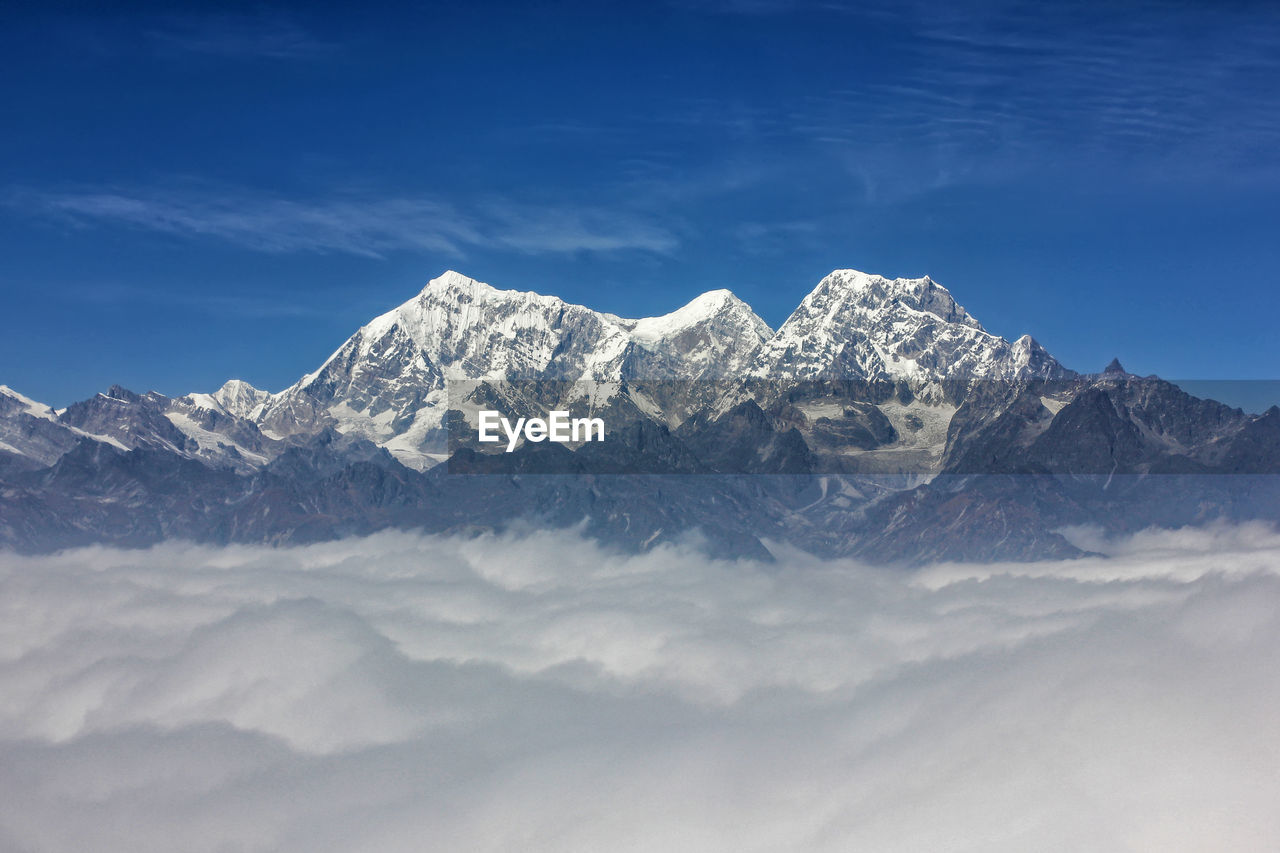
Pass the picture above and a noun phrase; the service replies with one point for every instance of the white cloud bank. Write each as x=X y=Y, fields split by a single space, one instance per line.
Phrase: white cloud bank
x=532 y=692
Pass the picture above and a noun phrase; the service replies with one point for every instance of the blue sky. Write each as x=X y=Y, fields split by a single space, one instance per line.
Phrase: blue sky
x=188 y=196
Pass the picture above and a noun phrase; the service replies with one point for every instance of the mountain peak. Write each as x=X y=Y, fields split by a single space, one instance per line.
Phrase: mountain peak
x=714 y=299
x=709 y=305
x=871 y=292
x=239 y=398
x=859 y=280
x=1114 y=367
x=235 y=386
x=23 y=402
x=452 y=279
x=452 y=288
x=6 y=391
x=451 y=284
x=857 y=324
x=119 y=392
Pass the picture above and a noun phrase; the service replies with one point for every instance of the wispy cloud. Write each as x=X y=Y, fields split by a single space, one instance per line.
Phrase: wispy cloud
x=761 y=8
x=991 y=90
x=567 y=230
x=359 y=225
x=1168 y=90
x=246 y=306
x=239 y=37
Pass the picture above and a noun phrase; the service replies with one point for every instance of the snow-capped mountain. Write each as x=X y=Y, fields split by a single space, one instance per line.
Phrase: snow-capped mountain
x=388 y=382
x=881 y=400
x=236 y=398
x=856 y=325
x=30 y=432
x=194 y=426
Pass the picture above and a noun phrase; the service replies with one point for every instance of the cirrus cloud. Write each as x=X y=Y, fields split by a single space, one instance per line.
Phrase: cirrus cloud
x=369 y=226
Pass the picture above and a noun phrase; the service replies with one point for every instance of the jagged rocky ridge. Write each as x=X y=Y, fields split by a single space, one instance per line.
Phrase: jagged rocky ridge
x=879 y=420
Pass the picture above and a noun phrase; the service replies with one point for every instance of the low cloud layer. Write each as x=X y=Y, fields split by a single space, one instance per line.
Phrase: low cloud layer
x=533 y=692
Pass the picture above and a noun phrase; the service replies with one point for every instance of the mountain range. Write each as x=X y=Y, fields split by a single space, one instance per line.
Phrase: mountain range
x=881 y=420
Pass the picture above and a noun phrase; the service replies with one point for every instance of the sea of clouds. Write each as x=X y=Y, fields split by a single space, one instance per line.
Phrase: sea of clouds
x=533 y=691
